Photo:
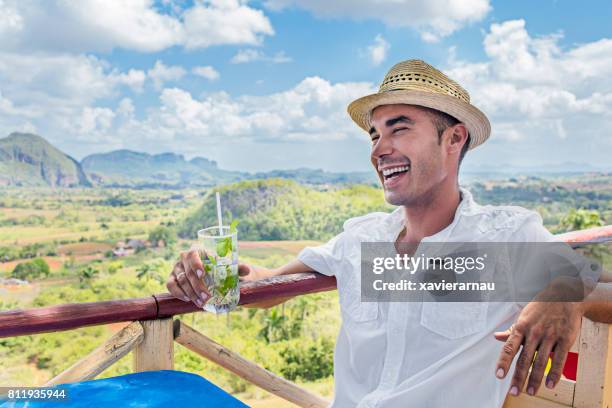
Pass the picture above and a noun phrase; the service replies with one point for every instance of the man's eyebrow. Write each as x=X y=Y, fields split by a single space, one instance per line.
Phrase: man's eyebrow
x=399 y=119
x=393 y=121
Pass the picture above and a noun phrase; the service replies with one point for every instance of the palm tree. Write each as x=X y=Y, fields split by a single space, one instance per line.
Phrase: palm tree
x=273 y=327
x=86 y=275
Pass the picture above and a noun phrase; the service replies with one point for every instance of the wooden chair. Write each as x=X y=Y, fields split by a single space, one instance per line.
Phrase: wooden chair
x=593 y=385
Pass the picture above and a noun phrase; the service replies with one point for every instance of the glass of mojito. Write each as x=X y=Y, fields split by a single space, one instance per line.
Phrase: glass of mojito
x=221 y=267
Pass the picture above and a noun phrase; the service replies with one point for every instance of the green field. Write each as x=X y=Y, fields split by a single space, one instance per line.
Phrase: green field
x=79 y=233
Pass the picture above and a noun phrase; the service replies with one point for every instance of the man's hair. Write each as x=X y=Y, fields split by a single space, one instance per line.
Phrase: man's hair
x=443 y=121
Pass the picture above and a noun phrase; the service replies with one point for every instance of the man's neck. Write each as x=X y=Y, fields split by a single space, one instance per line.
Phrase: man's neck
x=423 y=221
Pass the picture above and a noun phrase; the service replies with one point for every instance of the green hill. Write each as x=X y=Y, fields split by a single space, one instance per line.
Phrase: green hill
x=277 y=209
x=126 y=167
x=129 y=168
x=29 y=160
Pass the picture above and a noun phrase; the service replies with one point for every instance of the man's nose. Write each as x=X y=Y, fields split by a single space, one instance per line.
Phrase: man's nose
x=382 y=147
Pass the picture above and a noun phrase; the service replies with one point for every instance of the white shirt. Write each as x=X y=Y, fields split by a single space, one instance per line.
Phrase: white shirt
x=420 y=354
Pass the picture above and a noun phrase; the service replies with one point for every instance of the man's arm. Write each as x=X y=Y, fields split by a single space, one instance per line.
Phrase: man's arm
x=253 y=273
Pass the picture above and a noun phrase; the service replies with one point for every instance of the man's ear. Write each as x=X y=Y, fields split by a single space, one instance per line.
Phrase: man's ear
x=457 y=138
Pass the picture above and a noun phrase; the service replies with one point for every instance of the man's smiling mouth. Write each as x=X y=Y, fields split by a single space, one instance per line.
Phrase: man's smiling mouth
x=394 y=172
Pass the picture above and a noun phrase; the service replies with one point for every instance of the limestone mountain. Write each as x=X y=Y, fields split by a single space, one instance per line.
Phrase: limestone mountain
x=126 y=167
x=29 y=160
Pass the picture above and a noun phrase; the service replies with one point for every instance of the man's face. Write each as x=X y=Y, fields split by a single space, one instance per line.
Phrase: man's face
x=405 y=138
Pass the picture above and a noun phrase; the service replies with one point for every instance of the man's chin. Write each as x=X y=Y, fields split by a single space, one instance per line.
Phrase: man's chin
x=393 y=197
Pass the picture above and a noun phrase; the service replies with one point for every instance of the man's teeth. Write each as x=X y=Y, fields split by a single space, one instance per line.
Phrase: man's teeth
x=388 y=172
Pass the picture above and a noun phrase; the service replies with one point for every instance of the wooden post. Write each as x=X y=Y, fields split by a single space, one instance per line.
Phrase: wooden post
x=245 y=369
x=527 y=401
x=594 y=376
x=102 y=357
x=156 y=352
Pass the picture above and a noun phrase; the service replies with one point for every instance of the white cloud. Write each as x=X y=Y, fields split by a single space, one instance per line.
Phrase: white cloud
x=207 y=72
x=161 y=73
x=377 y=51
x=102 y=25
x=224 y=22
x=248 y=55
x=58 y=94
x=40 y=81
x=126 y=108
x=251 y=55
x=313 y=110
x=10 y=19
x=542 y=94
x=7 y=107
x=433 y=18
x=134 y=78
x=535 y=78
x=91 y=122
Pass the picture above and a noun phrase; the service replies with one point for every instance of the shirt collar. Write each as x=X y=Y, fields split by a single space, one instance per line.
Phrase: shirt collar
x=466 y=206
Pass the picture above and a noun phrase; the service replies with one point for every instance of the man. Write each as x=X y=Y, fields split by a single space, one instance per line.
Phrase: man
x=428 y=354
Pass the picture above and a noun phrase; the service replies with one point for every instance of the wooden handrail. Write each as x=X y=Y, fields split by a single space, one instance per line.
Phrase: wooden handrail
x=590 y=235
x=71 y=316
x=20 y=322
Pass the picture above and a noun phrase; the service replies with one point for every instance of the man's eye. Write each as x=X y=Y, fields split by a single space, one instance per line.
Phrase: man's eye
x=375 y=139
x=399 y=129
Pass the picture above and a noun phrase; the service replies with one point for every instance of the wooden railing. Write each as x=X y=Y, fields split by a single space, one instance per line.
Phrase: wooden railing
x=153 y=331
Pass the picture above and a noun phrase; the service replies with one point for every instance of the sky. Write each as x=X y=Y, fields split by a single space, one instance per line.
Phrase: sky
x=261 y=85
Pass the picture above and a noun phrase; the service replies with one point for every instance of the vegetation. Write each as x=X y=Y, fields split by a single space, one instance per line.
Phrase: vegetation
x=164 y=234
x=581 y=219
x=278 y=209
x=35 y=269
x=73 y=232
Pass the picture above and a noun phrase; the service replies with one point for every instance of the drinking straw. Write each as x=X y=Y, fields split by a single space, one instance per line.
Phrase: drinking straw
x=219 y=213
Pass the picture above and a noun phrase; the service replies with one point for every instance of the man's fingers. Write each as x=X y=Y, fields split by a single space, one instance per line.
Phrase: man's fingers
x=184 y=283
x=173 y=285
x=523 y=363
x=539 y=366
x=509 y=350
x=192 y=261
x=182 y=278
x=194 y=273
x=175 y=290
x=558 y=362
x=243 y=269
x=502 y=336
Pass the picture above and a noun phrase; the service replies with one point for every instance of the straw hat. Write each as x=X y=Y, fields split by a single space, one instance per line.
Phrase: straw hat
x=415 y=82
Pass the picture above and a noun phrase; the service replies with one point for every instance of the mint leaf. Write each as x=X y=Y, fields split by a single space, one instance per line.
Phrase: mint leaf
x=233 y=226
x=229 y=283
x=224 y=246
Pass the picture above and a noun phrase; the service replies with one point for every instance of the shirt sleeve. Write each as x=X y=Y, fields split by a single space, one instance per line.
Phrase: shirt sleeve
x=327 y=258
x=535 y=242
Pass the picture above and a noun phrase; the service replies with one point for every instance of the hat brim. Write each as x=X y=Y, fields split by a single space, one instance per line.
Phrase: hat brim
x=476 y=122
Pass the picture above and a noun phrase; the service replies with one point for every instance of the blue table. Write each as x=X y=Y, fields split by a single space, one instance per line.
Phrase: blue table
x=163 y=389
